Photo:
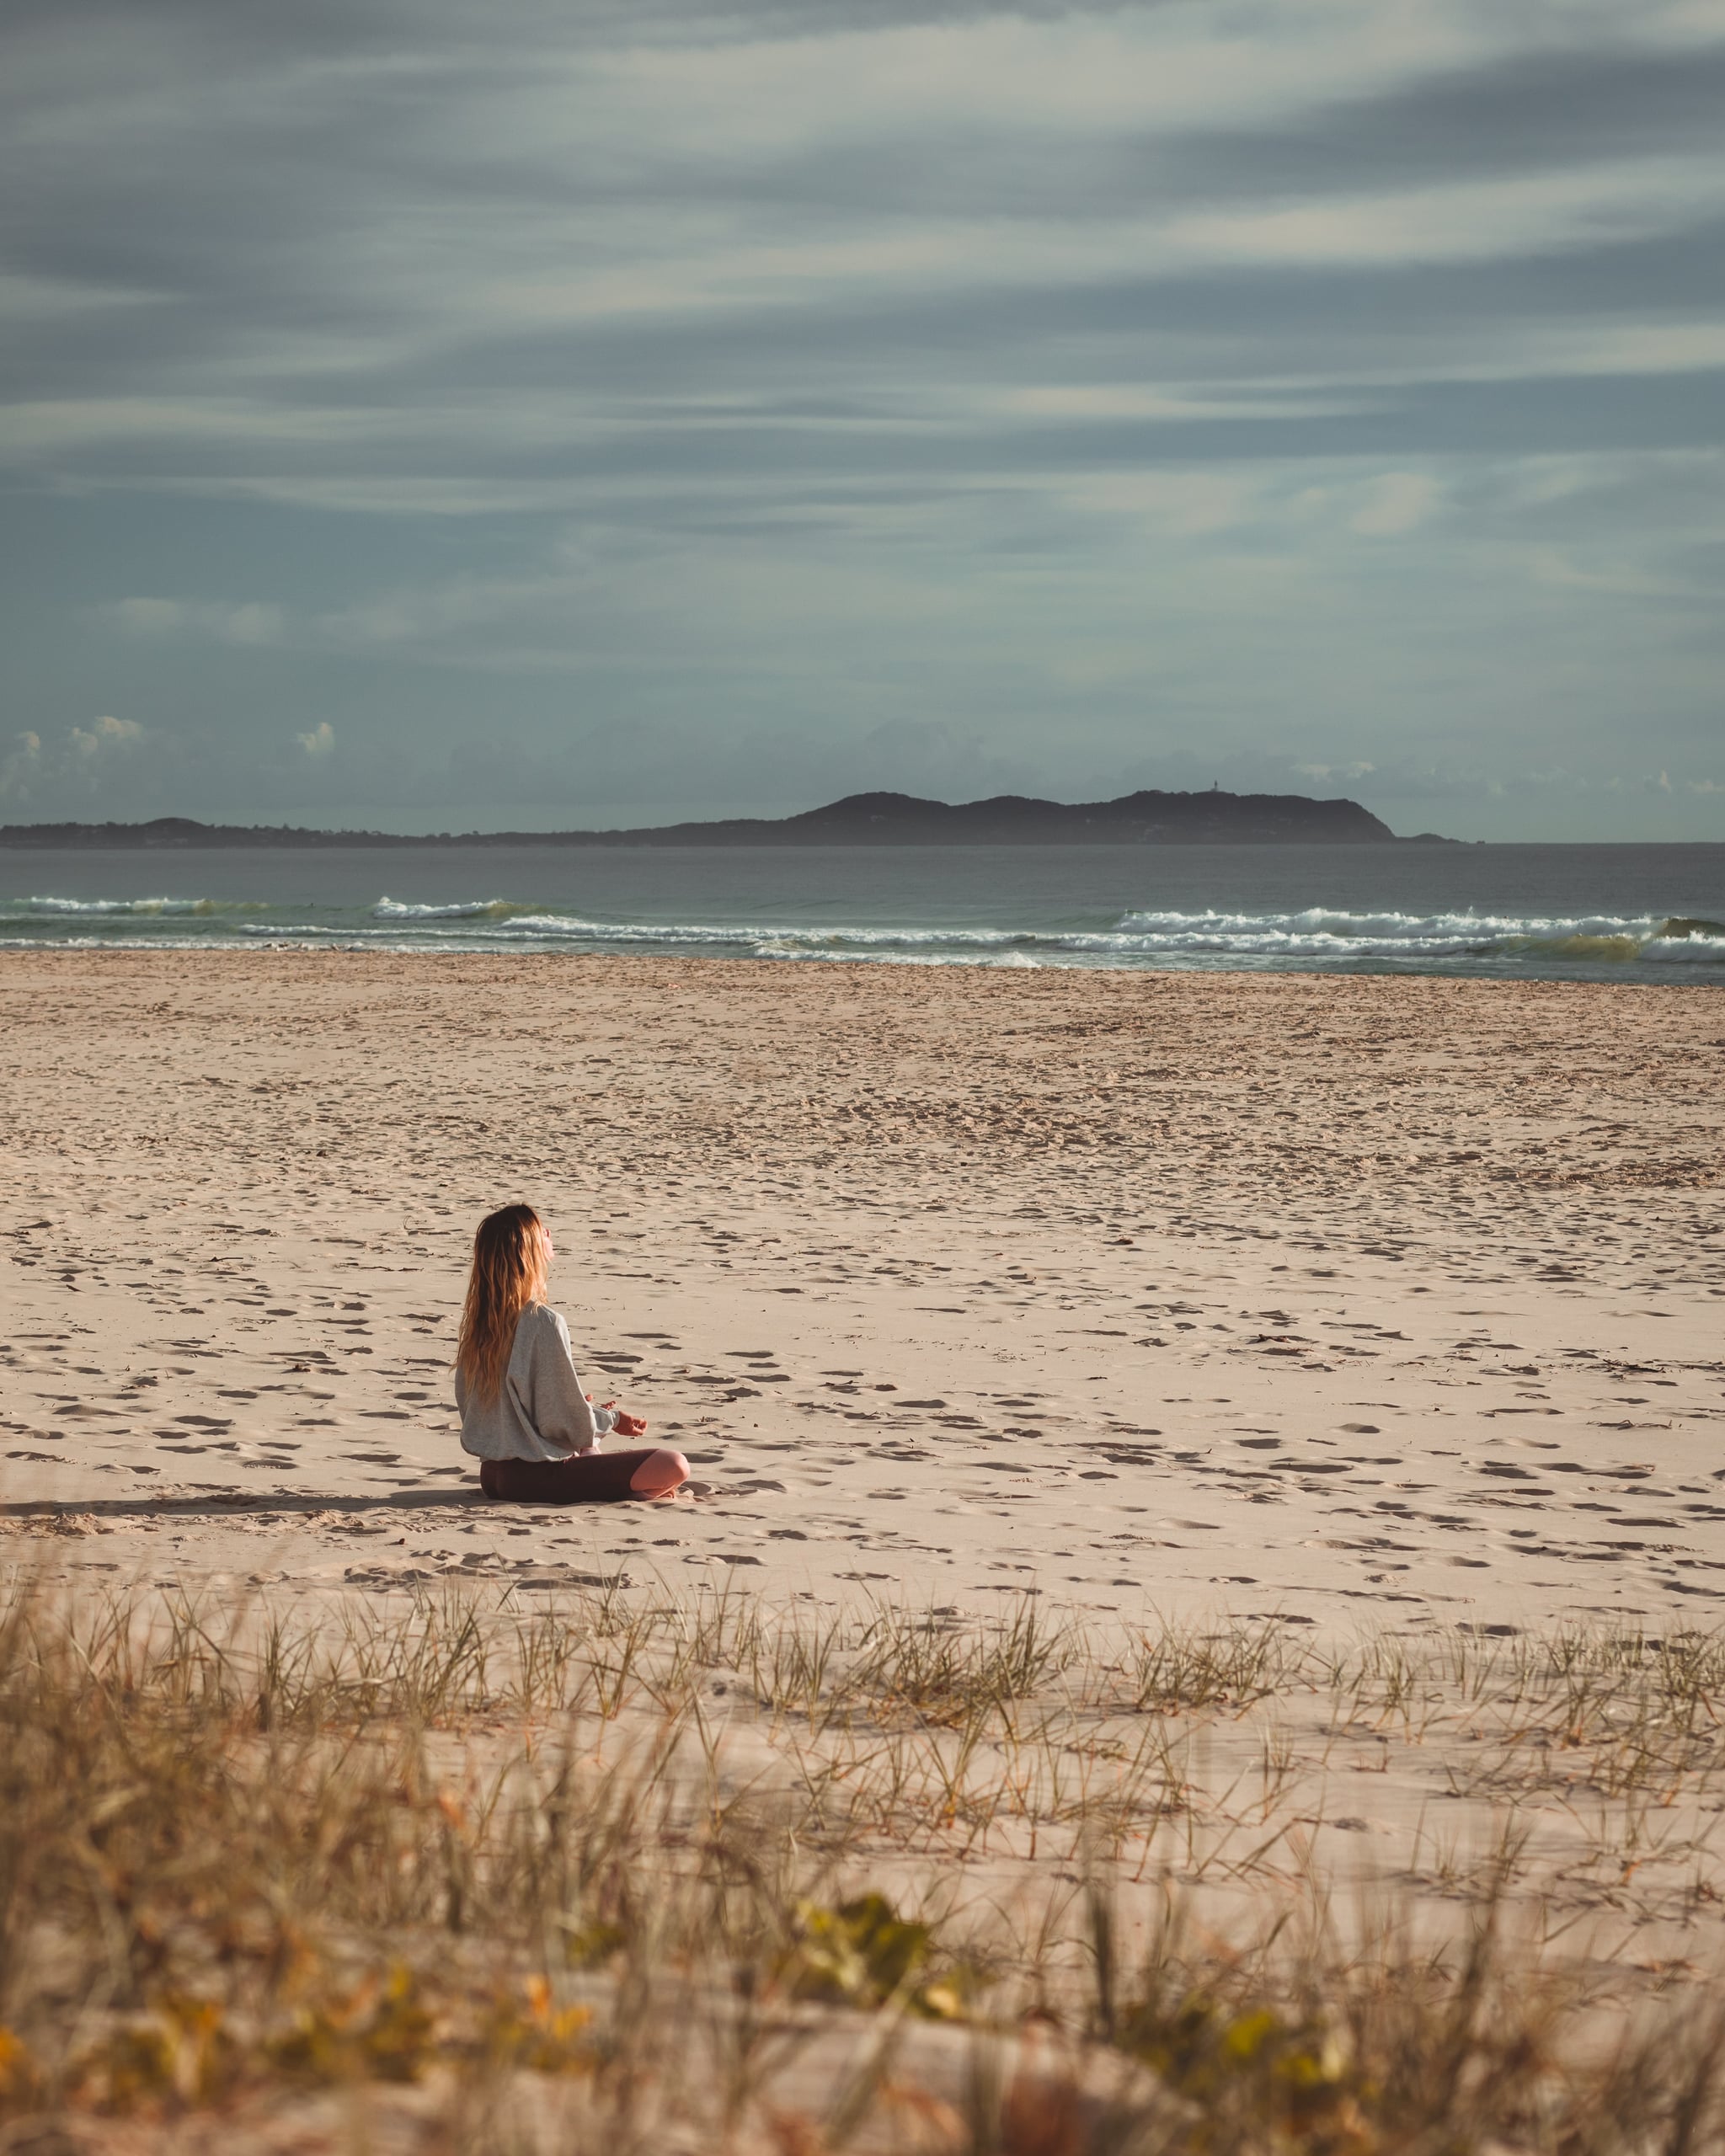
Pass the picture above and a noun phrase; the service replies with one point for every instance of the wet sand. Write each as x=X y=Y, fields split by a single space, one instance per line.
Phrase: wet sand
x=1386 y=1301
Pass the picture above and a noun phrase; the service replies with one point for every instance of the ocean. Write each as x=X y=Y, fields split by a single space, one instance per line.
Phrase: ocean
x=1642 y=913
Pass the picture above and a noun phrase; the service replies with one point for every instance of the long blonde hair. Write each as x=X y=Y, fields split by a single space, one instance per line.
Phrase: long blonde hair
x=511 y=1258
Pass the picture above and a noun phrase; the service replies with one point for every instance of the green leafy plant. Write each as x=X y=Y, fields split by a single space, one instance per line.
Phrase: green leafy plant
x=863 y=1953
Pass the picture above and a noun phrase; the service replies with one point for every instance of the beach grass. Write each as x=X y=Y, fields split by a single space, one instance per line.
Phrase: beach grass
x=641 y=1869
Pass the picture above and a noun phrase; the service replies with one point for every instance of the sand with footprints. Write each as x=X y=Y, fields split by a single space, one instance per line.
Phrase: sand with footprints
x=1395 y=1300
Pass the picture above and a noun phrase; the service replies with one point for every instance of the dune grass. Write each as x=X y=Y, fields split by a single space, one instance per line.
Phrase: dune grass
x=613 y=1871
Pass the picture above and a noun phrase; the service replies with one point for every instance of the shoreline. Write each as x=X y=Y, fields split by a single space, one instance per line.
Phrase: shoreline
x=474 y=951
x=1581 y=973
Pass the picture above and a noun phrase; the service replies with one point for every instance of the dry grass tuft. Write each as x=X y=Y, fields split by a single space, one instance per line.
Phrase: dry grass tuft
x=693 y=1873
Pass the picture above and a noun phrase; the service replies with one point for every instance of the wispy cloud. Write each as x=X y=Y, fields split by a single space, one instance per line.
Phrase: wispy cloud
x=1310 y=383
x=1398 y=501
x=252 y=621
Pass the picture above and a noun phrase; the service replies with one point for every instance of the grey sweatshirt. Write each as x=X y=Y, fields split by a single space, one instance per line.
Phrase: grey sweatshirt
x=541 y=1412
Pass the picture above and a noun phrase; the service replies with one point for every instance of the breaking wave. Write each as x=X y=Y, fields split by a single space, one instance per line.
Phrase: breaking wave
x=1317 y=934
x=205 y=908
x=462 y=910
x=1314 y=938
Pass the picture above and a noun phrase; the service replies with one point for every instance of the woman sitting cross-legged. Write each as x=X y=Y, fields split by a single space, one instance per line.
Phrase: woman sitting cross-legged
x=535 y=1433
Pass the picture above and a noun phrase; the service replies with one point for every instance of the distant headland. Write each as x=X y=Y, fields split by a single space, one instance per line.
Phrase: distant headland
x=1145 y=819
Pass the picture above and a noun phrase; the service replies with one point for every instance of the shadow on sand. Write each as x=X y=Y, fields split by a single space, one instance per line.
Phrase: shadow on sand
x=220 y=1503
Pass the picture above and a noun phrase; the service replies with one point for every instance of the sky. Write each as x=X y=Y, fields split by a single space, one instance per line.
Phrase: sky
x=571 y=412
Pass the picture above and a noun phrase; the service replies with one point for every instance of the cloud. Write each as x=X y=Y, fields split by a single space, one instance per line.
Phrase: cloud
x=767 y=231
x=103 y=735
x=1550 y=566
x=1398 y=503
x=81 y=760
x=320 y=742
x=19 y=766
x=252 y=621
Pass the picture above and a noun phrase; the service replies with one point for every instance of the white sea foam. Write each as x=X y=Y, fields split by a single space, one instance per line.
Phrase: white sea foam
x=1472 y=941
x=1318 y=933
x=1709 y=950
x=51 y=907
x=460 y=910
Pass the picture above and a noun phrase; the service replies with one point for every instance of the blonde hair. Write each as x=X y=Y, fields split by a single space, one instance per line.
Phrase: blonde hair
x=511 y=1258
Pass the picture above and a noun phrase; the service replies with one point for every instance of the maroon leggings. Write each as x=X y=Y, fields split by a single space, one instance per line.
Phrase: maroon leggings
x=591 y=1478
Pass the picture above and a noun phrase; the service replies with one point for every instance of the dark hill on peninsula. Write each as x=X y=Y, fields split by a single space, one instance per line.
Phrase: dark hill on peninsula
x=1148 y=819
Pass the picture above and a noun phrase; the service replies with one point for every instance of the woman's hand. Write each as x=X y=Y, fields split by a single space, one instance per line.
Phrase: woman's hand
x=625 y=1425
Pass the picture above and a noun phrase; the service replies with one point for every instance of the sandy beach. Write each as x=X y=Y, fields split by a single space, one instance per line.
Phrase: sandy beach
x=1365 y=1301
x=1207 y=1489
